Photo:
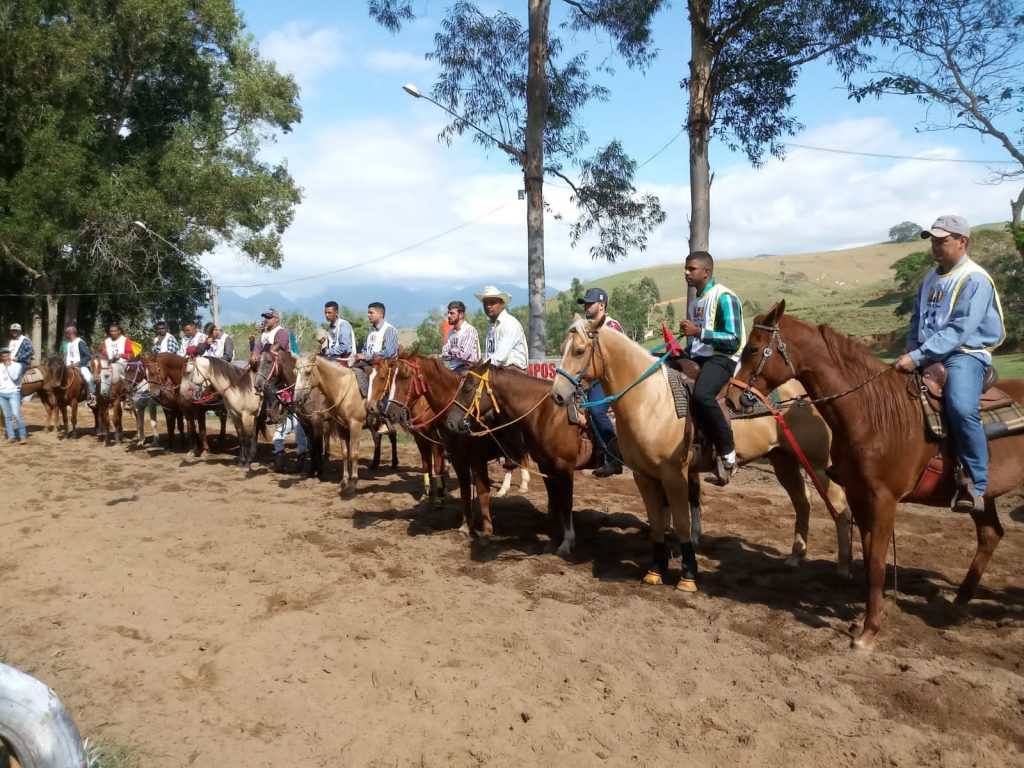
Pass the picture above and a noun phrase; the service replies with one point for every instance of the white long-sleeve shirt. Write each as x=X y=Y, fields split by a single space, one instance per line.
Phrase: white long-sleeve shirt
x=10 y=378
x=506 y=342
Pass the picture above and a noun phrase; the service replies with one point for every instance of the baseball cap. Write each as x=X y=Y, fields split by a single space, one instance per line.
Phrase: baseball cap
x=270 y=312
x=948 y=225
x=4 y=350
x=15 y=326
x=592 y=295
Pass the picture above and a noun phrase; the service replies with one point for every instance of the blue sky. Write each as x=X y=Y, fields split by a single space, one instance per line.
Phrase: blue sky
x=376 y=180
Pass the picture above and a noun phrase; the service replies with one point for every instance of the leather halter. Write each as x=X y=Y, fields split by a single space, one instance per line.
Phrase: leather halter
x=775 y=342
x=578 y=380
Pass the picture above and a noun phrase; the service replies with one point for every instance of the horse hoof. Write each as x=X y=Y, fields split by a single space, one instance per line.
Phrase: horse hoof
x=686 y=585
x=863 y=642
x=794 y=561
x=564 y=550
x=653 y=578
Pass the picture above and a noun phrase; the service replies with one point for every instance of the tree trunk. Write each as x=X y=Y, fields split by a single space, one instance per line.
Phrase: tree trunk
x=52 y=336
x=698 y=124
x=71 y=314
x=533 y=170
x=37 y=329
x=1016 y=208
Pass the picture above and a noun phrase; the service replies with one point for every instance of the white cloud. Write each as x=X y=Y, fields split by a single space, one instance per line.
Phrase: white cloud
x=306 y=51
x=389 y=60
x=376 y=186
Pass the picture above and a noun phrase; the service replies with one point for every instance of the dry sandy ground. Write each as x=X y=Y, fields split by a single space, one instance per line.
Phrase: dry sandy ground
x=209 y=617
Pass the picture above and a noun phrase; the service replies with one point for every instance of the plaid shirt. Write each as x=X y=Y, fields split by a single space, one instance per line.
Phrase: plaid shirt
x=462 y=347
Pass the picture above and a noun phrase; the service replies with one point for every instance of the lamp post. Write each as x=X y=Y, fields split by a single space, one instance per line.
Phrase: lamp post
x=211 y=293
x=413 y=91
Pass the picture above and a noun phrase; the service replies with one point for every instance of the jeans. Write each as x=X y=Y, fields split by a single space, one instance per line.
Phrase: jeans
x=599 y=417
x=284 y=429
x=715 y=371
x=10 y=404
x=962 y=391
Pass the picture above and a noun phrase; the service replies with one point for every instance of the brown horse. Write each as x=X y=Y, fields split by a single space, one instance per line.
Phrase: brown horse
x=879 y=442
x=428 y=438
x=165 y=371
x=492 y=399
x=68 y=388
x=109 y=399
x=430 y=379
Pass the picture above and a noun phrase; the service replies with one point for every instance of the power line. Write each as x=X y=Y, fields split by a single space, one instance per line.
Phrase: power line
x=835 y=151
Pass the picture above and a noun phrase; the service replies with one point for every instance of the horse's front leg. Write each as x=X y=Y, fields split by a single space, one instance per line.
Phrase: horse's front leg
x=482 y=483
x=559 y=487
x=654 y=502
x=202 y=447
x=464 y=475
x=393 y=437
x=787 y=471
x=376 y=449
x=990 y=531
x=876 y=519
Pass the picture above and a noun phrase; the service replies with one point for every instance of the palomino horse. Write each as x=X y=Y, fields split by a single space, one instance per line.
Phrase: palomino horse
x=657 y=445
x=236 y=386
x=68 y=388
x=429 y=378
x=878 y=428
x=344 y=411
x=164 y=372
x=492 y=399
x=422 y=425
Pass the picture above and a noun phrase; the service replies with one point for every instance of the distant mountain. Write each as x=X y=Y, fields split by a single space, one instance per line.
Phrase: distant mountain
x=406 y=307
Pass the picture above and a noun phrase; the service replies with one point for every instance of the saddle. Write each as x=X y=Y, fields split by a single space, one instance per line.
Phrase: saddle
x=1000 y=413
x=32 y=375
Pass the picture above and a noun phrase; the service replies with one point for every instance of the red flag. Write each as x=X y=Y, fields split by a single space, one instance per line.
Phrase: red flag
x=670 y=341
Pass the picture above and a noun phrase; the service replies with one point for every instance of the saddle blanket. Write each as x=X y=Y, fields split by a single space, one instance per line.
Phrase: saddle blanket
x=32 y=375
x=1002 y=421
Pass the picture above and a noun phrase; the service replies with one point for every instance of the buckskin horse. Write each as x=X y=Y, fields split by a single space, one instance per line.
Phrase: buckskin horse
x=344 y=409
x=236 y=386
x=422 y=425
x=165 y=371
x=658 y=446
x=429 y=378
x=881 y=448
x=492 y=399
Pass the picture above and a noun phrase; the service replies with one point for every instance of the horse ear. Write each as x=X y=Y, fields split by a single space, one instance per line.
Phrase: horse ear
x=576 y=318
x=777 y=311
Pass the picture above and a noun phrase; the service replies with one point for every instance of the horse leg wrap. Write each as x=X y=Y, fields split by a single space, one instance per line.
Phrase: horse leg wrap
x=688 y=581
x=659 y=563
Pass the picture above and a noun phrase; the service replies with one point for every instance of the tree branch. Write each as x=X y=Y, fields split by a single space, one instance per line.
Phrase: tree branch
x=33 y=273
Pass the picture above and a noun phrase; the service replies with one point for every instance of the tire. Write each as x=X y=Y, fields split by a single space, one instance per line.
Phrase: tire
x=37 y=728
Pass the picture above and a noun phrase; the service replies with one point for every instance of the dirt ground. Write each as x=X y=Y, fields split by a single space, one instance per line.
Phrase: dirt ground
x=207 y=616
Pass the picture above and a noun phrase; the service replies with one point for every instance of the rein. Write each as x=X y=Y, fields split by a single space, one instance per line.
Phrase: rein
x=473 y=409
x=418 y=390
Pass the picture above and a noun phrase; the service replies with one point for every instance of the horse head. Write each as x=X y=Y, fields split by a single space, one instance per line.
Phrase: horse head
x=580 y=363
x=381 y=382
x=193 y=380
x=55 y=370
x=765 y=361
x=407 y=384
x=306 y=377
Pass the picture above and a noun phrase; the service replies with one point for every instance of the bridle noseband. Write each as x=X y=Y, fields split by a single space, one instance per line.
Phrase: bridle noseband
x=774 y=342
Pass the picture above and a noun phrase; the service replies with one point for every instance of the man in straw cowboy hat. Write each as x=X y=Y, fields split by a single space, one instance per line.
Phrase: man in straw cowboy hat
x=506 y=342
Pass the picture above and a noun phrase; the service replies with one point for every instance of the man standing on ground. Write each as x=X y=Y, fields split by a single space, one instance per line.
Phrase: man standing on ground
x=595 y=307
x=462 y=347
x=958 y=321
x=10 y=396
x=506 y=342
x=714 y=327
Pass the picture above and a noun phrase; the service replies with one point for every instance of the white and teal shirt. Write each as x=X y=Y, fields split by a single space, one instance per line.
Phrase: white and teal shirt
x=956 y=311
x=718 y=313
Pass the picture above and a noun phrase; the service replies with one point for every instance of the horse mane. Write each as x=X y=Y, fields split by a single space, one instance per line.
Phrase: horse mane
x=224 y=368
x=885 y=399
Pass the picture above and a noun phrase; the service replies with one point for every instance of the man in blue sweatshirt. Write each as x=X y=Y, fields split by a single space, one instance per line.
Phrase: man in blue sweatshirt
x=957 y=320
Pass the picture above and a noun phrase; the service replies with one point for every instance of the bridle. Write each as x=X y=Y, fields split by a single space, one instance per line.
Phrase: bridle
x=595 y=352
x=774 y=342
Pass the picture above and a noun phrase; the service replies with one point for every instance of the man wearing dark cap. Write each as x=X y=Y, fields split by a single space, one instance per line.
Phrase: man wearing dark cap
x=20 y=347
x=595 y=307
x=958 y=321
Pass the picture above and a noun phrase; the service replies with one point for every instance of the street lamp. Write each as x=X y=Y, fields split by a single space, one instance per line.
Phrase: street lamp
x=413 y=91
x=211 y=293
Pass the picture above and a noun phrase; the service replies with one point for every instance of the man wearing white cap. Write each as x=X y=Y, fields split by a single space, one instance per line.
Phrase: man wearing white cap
x=20 y=347
x=506 y=342
x=958 y=321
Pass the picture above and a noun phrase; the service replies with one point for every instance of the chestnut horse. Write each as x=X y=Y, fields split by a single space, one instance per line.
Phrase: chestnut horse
x=109 y=410
x=343 y=409
x=68 y=388
x=430 y=379
x=428 y=438
x=492 y=399
x=165 y=371
x=879 y=436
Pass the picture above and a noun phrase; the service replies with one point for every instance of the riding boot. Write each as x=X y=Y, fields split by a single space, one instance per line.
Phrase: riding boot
x=659 y=563
x=612 y=463
x=688 y=580
x=279 y=462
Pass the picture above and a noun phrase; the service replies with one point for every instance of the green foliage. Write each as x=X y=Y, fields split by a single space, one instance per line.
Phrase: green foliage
x=151 y=110
x=905 y=232
x=428 y=333
x=560 y=315
x=910 y=271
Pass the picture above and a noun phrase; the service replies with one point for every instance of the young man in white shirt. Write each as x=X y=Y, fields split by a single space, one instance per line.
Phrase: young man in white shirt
x=10 y=396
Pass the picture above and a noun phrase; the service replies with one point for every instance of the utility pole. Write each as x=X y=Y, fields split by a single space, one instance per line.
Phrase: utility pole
x=214 y=304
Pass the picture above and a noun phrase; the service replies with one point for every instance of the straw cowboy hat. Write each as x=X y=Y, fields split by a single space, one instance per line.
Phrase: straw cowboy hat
x=491 y=292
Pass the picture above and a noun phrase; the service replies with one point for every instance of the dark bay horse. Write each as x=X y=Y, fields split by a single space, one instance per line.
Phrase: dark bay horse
x=68 y=388
x=430 y=379
x=275 y=381
x=165 y=370
x=422 y=423
x=492 y=399
x=879 y=444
